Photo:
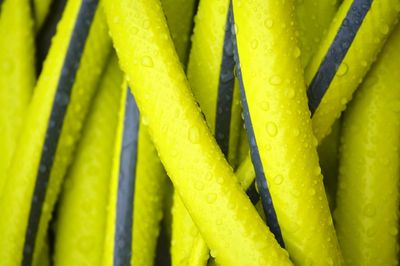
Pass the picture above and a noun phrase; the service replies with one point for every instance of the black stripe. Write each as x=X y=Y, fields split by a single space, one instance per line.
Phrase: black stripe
x=1 y=3
x=126 y=184
x=337 y=51
x=225 y=92
x=47 y=31
x=61 y=101
x=252 y=193
x=268 y=206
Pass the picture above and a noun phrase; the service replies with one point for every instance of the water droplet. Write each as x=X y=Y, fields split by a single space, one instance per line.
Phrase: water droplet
x=272 y=129
x=385 y=29
x=268 y=23
x=291 y=93
x=296 y=132
x=254 y=44
x=312 y=192
x=147 y=61
x=199 y=185
x=296 y=52
x=394 y=231
x=194 y=135
x=275 y=80
x=211 y=198
x=343 y=68
x=265 y=106
x=278 y=179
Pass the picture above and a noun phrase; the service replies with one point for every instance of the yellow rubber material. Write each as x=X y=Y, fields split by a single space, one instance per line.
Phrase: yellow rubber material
x=179 y=15
x=313 y=19
x=17 y=75
x=282 y=126
x=41 y=9
x=203 y=73
x=81 y=216
x=367 y=215
x=15 y=202
x=150 y=178
x=204 y=180
x=365 y=47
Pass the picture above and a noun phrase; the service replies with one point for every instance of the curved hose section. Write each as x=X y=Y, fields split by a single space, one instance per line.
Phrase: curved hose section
x=52 y=126
x=17 y=76
x=81 y=216
x=367 y=216
x=211 y=76
x=135 y=198
x=220 y=209
x=352 y=43
x=282 y=144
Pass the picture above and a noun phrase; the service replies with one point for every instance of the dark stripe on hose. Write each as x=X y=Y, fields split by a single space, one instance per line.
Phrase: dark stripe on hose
x=47 y=31
x=126 y=184
x=60 y=105
x=1 y=2
x=252 y=193
x=268 y=206
x=225 y=93
x=336 y=52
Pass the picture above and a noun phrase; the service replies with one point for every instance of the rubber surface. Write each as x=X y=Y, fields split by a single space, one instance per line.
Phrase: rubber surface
x=376 y=23
x=211 y=76
x=82 y=215
x=18 y=202
x=367 y=215
x=136 y=194
x=282 y=144
x=171 y=113
x=17 y=77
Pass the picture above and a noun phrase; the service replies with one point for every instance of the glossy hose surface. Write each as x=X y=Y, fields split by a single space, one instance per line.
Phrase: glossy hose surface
x=368 y=192
x=82 y=209
x=52 y=126
x=191 y=155
x=278 y=124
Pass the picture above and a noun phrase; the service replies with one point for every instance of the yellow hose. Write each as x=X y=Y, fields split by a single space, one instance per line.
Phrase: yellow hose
x=368 y=192
x=52 y=126
x=280 y=133
x=81 y=216
x=220 y=209
x=41 y=10
x=211 y=77
x=136 y=194
x=17 y=76
x=351 y=44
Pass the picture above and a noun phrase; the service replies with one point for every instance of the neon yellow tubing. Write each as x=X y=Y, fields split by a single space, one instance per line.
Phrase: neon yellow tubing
x=313 y=19
x=136 y=194
x=368 y=193
x=82 y=209
x=280 y=132
x=179 y=15
x=17 y=75
x=207 y=186
x=211 y=77
x=353 y=41
x=52 y=126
